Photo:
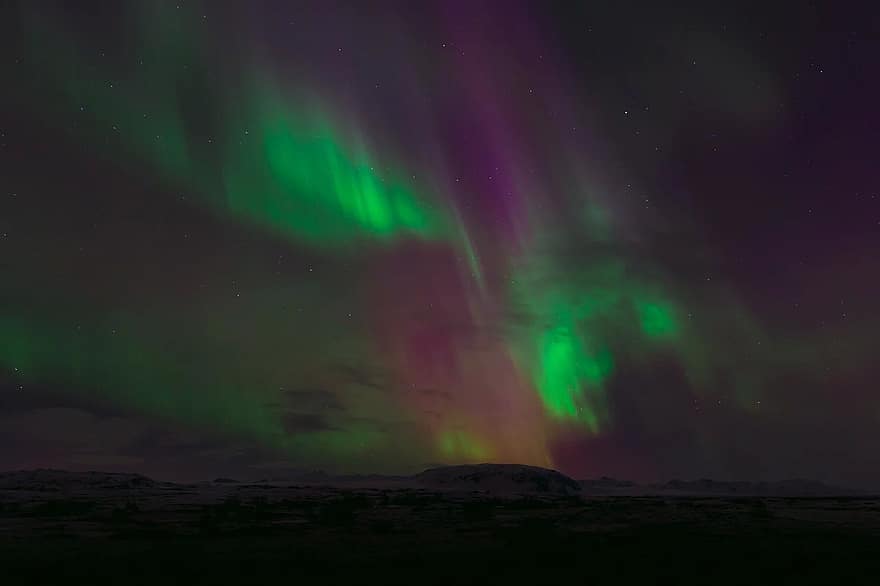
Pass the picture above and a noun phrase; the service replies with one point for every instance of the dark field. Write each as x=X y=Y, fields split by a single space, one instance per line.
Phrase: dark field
x=215 y=533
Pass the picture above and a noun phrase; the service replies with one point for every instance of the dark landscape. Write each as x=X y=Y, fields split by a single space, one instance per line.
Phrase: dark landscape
x=482 y=524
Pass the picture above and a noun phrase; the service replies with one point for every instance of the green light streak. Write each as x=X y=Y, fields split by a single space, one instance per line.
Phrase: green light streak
x=263 y=157
x=303 y=181
x=569 y=376
x=576 y=320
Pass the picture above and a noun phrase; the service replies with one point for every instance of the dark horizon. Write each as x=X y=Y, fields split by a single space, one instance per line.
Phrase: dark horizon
x=316 y=477
x=492 y=480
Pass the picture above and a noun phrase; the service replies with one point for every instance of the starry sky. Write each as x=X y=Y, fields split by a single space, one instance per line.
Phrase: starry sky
x=238 y=238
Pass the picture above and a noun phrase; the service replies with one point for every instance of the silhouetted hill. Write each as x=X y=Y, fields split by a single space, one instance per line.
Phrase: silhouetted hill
x=499 y=478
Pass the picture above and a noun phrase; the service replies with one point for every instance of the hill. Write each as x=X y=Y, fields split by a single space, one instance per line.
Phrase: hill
x=499 y=478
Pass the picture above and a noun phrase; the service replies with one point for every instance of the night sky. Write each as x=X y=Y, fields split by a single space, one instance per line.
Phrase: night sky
x=608 y=238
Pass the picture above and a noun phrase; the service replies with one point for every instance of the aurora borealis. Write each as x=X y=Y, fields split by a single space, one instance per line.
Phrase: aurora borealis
x=250 y=236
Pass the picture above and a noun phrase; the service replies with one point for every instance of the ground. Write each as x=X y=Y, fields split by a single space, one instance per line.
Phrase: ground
x=140 y=532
